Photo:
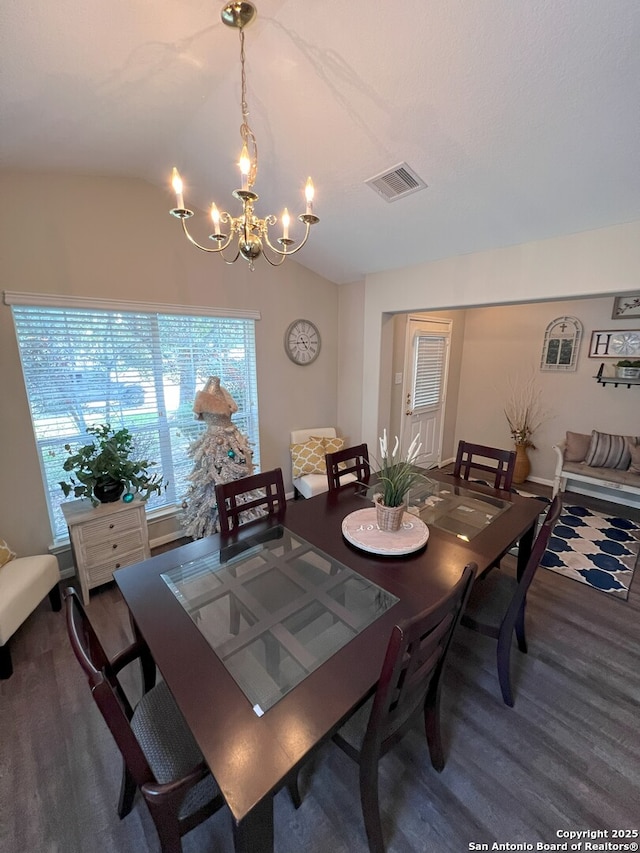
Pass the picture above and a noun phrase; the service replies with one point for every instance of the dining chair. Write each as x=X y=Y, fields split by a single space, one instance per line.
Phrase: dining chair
x=496 y=606
x=409 y=683
x=468 y=457
x=263 y=492
x=349 y=465
x=160 y=756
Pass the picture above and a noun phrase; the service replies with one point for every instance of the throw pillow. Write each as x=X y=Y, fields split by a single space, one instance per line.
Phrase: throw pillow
x=6 y=554
x=577 y=447
x=608 y=451
x=308 y=458
x=634 y=451
x=332 y=445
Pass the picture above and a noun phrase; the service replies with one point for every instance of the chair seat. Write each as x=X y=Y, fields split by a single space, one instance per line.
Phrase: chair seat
x=354 y=730
x=169 y=746
x=311 y=485
x=315 y=484
x=490 y=597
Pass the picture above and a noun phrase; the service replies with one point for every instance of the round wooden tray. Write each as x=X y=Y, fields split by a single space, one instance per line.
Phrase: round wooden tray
x=360 y=529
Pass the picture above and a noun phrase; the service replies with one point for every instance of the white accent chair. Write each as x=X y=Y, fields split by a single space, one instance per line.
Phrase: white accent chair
x=312 y=484
x=24 y=582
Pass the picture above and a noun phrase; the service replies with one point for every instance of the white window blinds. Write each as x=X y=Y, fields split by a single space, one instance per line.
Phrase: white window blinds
x=428 y=370
x=141 y=370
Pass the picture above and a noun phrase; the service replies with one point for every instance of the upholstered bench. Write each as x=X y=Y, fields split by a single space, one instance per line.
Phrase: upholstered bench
x=599 y=460
x=24 y=582
x=308 y=449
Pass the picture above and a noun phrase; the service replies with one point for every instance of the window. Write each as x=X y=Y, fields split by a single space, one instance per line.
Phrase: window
x=133 y=368
x=428 y=371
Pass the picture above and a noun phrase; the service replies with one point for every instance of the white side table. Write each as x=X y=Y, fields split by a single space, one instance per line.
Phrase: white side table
x=105 y=538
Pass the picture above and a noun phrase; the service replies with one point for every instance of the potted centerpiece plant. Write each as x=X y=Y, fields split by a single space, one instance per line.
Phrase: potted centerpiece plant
x=102 y=469
x=395 y=478
x=628 y=369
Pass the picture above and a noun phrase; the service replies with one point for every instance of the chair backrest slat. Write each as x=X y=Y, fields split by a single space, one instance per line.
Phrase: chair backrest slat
x=469 y=456
x=350 y=460
x=106 y=690
x=259 y=491
x=537 y=551
x=413 y=664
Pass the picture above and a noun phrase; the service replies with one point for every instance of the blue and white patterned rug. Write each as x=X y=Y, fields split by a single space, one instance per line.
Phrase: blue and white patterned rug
x=601 y=551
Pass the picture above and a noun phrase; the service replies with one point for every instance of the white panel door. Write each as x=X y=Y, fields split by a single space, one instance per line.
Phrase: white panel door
x=426 y=363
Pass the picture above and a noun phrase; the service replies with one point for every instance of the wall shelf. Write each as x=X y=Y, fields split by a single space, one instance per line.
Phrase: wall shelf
x=614 y=380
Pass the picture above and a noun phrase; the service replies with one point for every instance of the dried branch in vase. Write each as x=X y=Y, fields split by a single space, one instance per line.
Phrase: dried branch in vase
x=524 y=411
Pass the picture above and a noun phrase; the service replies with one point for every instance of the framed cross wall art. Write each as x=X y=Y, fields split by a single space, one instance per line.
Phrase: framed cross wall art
x=561 y=343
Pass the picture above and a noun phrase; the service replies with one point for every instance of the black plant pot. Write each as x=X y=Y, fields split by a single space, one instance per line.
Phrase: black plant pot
x=108 y=490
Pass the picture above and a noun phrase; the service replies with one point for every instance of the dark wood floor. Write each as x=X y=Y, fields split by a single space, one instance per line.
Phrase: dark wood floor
x=566 y=757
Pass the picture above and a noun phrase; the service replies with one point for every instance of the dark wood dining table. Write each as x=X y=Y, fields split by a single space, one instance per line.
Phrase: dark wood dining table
x=250 y=756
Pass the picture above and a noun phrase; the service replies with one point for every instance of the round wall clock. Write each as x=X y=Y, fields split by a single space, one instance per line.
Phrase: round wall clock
x=302 y=342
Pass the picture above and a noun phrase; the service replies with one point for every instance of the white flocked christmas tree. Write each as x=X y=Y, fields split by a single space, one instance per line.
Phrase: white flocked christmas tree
x=221 y=454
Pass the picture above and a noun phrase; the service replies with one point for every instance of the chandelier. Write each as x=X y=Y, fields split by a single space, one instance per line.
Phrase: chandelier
x=251 y=234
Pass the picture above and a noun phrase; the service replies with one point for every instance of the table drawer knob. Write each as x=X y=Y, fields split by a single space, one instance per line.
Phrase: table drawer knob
x=115 y=546
x=117 y=565
x=111 y=527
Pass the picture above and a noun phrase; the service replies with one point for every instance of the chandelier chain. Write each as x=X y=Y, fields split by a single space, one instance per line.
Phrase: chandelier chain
x=246 y=133
x=249 y=232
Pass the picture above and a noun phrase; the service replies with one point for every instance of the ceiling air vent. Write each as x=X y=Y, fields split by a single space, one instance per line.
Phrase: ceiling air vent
x=396 y=183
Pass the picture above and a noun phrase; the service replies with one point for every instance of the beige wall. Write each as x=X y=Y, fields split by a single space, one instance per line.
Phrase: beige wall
x=501 y=344
x=351 y=337
x=493 y=347
x=114 y=239
x=595 y=263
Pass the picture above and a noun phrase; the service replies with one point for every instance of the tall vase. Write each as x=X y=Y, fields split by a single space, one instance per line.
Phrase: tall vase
x=522 y=466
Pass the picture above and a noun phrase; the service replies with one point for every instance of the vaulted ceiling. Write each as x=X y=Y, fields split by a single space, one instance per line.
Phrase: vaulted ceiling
x=523 y=118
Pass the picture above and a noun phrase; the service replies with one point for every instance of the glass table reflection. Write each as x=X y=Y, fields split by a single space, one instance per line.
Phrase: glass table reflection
x=274 y=608
x=463 y=512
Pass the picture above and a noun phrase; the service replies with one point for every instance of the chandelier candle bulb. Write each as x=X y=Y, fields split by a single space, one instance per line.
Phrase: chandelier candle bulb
x=286 y=219
x=215 y=218
x=308 y=194
x=176 y=181
x=245 y=166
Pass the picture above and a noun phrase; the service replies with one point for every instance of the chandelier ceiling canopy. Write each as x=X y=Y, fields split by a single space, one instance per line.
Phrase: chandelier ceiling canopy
x=249 y=233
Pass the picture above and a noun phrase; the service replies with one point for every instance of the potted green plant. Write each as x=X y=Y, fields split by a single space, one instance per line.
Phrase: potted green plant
x=395 y=478
x=103 y=469
x=627 y=369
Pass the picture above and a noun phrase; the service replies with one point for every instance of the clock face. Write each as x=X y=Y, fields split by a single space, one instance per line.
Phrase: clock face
x=625 y=343
x=302 y=342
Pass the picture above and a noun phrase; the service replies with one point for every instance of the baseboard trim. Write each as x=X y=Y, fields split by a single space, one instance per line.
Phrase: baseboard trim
x=541 y=480
x=168 y=537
